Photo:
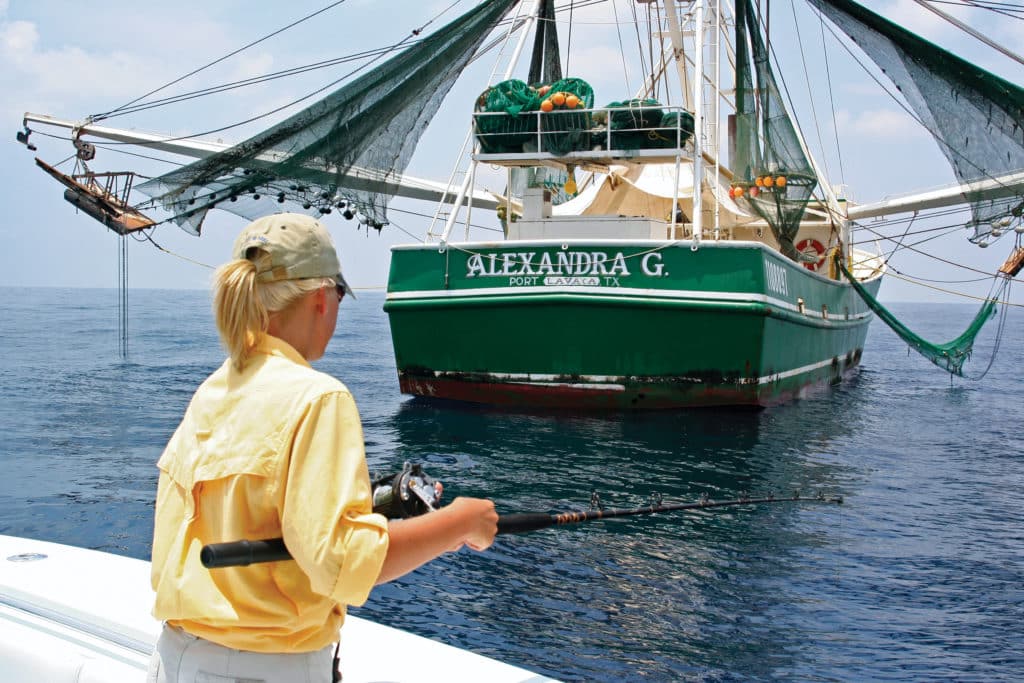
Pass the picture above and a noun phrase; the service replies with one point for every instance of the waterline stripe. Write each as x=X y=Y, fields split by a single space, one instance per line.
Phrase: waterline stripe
x=614 y=383
x=626 y=292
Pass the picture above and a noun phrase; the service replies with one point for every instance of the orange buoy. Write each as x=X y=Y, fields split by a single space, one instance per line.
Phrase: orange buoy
x=543 y=90
x=546 y=106
x=739 y=191
x=759 y=181
x=780 y=181
x=572 y=101
x=558 y=99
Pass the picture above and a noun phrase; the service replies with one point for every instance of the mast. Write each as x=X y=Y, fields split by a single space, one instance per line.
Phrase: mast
x=698 y=103
x=467 y=183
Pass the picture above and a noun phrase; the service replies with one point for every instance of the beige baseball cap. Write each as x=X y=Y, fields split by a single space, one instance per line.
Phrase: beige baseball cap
x=299 y=247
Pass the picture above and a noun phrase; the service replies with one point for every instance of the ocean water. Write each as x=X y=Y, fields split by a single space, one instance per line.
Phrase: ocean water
x=918 y=576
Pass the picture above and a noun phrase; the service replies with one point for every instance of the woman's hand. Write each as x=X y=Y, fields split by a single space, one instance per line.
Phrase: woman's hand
x=481 y=520
x=417 y=540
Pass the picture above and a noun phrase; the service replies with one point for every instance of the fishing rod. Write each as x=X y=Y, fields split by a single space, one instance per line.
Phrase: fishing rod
x=533 y=521
x=423 y=496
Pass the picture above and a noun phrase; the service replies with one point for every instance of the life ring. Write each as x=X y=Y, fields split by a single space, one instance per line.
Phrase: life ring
x=812 y=247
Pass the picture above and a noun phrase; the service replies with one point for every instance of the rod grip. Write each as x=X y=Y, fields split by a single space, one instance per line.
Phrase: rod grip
x=524 y=521
x=243 y=553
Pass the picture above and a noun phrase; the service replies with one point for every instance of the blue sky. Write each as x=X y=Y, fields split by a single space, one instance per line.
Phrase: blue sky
x=72 y=59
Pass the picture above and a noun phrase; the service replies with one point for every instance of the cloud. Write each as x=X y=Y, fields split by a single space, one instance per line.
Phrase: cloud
x=880 y=125
x=65 y=66
x=17 y=39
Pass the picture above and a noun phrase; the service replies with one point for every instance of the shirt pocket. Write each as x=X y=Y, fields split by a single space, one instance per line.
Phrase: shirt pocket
x=199 y=455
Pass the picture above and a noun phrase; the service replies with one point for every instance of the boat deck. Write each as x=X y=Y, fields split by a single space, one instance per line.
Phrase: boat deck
x=74 y=615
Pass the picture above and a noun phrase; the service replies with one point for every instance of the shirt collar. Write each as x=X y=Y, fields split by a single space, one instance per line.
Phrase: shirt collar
x=274 y=346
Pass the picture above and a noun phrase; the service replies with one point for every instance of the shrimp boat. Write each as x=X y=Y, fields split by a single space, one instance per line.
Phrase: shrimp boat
x=678 y=273
x=71 y=614
x=673 y=245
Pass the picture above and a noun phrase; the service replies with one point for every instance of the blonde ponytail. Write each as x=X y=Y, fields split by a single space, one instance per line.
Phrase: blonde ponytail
x=242 y=306
x=242 y=318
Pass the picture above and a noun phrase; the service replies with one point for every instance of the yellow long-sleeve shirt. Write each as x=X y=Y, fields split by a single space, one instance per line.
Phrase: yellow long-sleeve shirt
x=275 y=450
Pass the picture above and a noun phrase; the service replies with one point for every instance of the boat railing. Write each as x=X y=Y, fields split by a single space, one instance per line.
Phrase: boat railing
x=598 y=136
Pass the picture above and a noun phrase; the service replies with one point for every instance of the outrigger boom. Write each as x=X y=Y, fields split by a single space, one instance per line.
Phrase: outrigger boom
x=406 y=186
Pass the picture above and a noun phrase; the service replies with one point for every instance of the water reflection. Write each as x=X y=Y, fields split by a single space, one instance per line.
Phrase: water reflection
x=659 y=591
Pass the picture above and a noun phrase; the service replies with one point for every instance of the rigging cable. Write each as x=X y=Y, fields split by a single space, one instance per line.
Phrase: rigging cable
x=639 y=40
x=148 y=237
x=1006 y=9
x=810 y=96
x=622 y=48
x=938 y=138
x=784 y=89
x=1000 y=328
x=392 y=48
x=953 y=292
x=971 y=32
x=256 y=80
x=122 y=297
x=898 y=243
x=113 y=112
x=832 y=102
x=568 y=44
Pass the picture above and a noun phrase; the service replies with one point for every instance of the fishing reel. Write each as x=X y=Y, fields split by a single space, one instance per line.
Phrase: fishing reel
x=410 y=493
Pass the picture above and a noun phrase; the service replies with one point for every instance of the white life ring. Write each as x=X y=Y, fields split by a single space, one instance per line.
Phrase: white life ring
x=812 y=248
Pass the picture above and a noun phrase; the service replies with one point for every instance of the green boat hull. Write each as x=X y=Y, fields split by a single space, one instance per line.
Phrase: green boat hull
x=618 y=325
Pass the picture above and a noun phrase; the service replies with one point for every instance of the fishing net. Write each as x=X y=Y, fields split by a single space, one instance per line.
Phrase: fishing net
x=565 y=128
x=644 y=124
x=950 y=356
x=347 y=151
x=976 y=117
x=504 y=122
x=774 y=178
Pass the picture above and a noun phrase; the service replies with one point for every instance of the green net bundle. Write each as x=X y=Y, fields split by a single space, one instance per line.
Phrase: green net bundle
x=949 y=356
x=635 y=114
x=505 y=121
x=565 y=128
x=644 y=124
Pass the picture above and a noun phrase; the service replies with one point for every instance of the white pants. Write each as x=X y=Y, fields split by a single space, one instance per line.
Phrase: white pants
x=183 y=658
